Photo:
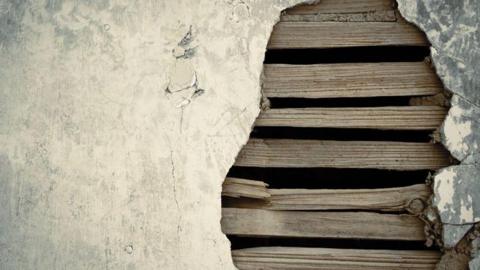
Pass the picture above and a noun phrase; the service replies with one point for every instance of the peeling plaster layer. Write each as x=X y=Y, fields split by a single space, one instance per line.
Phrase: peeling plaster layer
x=453 y=30
x=118 y=123
x=457 y=194
x=461 y=130
x=452 y=234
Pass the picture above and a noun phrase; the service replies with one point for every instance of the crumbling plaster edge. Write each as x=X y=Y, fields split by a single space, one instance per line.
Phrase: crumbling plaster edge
x=466 y=158
x=260 y=105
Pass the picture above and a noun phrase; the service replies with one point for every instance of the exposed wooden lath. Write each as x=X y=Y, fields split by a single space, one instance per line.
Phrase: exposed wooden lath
x=350 y=80
x=342 y=7
x=298 y=35
x=237 y=188
x=409 y=198
x=297 y=258
x=253 y=209
x=357 y=225
x=342 y=154
x=400 y=117
x=350 y=23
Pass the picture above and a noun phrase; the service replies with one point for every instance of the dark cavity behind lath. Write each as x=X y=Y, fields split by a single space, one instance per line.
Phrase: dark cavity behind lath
x=347 y=55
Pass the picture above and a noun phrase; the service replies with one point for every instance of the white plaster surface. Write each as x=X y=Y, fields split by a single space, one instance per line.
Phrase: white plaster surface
x=118 y=122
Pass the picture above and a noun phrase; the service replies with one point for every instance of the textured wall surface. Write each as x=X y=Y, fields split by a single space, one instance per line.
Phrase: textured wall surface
x=119 y=120
x=453 y=28
x=118 y=123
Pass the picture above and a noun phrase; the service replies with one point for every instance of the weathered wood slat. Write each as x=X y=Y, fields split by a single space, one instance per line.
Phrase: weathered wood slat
x=383 y=199
x=356 y=225
x=343 y=11
x=297 y=258
x=236 y=188
x=342 y=154
x=376 y=16
x=299 y=35
x=350 y=80
x=399 y=118
x=342 y=6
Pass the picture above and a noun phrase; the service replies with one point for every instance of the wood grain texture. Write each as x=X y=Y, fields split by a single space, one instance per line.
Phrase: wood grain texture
x=298 y=258
x=375 y=16
x=350 y=80
x=342 y=154
x=344 y=11
x=353 y=225
x=236 y=188
x=342 y=6
x=398 y=118
x=381 y=199
x=302 y=35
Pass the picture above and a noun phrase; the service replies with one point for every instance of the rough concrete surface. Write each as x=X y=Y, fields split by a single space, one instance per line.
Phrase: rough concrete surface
x=453 y=30
x=118 y=123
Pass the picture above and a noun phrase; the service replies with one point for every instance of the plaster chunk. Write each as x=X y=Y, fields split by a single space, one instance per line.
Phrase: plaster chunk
x=452 y=234
x=452 y=29
x=461 y=128
x=474 y=264
x=457 y=194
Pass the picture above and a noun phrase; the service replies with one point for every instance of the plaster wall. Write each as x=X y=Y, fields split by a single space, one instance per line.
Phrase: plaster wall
x=119 y=120
x=118 y=123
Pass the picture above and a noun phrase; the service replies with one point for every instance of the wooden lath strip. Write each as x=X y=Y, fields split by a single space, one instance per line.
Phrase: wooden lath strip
x=343 y=11
x=236 y=188
x=409 y=198
x=302 y=35
x=350 y=80
x=383 y=199
x=298 y=258
x=398 y=118
x=353 y=225
x=342 y=154
x=342 y=6
x=376 y=16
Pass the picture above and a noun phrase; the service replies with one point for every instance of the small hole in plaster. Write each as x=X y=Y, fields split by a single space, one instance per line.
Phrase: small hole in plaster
x=129 y=249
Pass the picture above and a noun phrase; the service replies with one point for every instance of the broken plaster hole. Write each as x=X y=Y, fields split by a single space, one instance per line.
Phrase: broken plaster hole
x=338 y=160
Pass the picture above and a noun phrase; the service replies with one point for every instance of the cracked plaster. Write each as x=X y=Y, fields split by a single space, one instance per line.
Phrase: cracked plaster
x=118 y=123
x=120 y=119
